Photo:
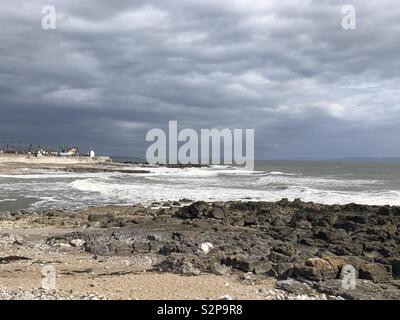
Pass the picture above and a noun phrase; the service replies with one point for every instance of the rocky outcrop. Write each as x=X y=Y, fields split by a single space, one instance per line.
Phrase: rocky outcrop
x=307 y=242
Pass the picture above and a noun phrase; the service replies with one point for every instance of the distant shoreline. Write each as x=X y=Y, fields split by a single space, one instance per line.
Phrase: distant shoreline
x=30 y=159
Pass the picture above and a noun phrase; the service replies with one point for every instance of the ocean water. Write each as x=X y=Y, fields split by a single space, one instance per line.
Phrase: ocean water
x=330 y=182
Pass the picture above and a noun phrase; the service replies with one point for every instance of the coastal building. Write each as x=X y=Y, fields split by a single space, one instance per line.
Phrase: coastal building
x=69 y=151
x=44 y=151
x=18 y=149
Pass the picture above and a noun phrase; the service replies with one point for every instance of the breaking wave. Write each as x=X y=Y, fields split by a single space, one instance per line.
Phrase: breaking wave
x=214 y=183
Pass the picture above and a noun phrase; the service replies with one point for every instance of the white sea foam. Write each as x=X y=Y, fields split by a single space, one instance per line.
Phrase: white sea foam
x=136 y=192
x=8 y=200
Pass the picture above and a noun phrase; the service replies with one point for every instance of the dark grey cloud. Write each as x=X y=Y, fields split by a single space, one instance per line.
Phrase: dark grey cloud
x=112 y=70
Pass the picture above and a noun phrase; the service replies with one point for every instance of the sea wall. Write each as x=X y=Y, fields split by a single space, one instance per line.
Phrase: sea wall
x=20 y=158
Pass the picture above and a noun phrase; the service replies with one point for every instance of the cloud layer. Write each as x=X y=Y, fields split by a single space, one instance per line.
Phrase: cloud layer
x=112 y=70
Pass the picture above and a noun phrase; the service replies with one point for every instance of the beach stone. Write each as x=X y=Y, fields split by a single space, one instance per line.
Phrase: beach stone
x=395 y=262
x=96 y=217
x=365 y=290
x=219 y=269
x=217 y=213
x=198 y=208
x=303 y=224
x=385 y=211
x=141 y=247
x=77 y=243
x=62 y=245
x=250 y=219
x=189 y=269
x=375 y=272
x=334 y=261
x=247 y=276
x=195 y=210
x=247 y=264
x=179 y=264
x=282 y=270
x=154 y=237
x=347 y=248
x=287 y=249
x=278 y=257
x=316 y=269
x=295 y=287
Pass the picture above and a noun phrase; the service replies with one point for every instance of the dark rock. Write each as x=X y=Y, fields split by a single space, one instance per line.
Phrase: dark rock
x=9 y=259
x=347 y=248
x=365 y=290
x=195 y=210
x=282 y=270
x=385 y=211
x=303 y=224
x=295 y=287
x=285 y=248
x=217 y=213
x=141 y=247
x=247 y=264
x=96 y=217
x=283 y=239
x=375 y=272
x=122 y=248
x=185 y=200
x=395 y=262
x=316 y=269
x=178 y=265
x=278 y=257
x=219 y=269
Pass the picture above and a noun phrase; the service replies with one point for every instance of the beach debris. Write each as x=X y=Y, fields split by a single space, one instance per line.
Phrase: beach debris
x=79 y=243
x=206 y=247
x=62 y=245
x=246 y=276
x=225 y=297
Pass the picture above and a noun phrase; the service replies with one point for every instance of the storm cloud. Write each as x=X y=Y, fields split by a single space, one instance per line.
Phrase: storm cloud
x=112 y=70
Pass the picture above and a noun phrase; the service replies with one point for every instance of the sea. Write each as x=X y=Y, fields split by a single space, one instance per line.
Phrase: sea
x=329 y=182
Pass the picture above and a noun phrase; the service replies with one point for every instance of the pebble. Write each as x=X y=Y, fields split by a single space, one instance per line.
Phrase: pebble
x=41 y=294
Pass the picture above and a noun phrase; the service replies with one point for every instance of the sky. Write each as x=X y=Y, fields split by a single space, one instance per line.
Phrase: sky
x=112 y=70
